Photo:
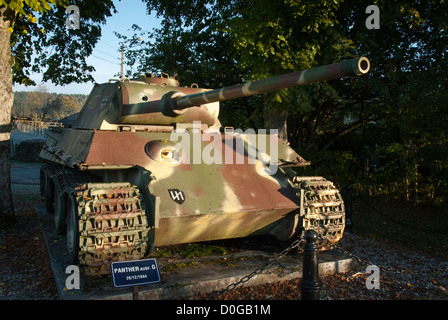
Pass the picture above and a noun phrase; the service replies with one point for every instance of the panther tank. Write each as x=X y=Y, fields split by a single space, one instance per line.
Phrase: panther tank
x=147 y=163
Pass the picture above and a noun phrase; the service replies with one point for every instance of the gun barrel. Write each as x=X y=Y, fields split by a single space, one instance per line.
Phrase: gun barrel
x=329 y=72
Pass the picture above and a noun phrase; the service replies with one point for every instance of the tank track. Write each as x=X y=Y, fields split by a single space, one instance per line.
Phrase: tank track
x=110 y=223
x=321 y=208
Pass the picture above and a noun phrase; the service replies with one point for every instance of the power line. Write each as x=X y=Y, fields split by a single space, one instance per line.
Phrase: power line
x=116 y=63
x=107 y=54
x=108 y=44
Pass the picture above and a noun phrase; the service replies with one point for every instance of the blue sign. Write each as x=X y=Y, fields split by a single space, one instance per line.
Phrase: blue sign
x=134 y=273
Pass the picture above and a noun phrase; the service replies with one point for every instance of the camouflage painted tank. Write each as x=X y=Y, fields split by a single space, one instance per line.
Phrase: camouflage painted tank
x=146 y=163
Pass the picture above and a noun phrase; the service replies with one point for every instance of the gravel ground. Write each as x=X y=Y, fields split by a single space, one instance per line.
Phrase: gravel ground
x=25 y=272
x=403 y=275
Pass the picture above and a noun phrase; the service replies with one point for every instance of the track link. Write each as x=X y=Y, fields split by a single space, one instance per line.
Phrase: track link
x=321 y=207
x=105 y=221
x=112 y=225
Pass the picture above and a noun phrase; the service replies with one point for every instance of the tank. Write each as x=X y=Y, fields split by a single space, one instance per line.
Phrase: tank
x=147 y=163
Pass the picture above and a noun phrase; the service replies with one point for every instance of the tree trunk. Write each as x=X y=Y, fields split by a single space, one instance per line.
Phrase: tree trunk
x=6 y=101
x=275 y=117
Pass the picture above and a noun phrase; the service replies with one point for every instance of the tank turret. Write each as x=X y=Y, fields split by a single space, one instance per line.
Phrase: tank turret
x=161 y=101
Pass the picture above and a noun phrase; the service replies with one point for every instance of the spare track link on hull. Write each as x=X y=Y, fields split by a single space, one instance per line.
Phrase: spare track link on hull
x=108 y=222
x=321 y=208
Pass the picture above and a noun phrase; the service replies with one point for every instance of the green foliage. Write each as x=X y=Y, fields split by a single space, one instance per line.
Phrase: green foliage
x=274 y=37
x=398 y=112
x=41 y=42
x=340 y=167
x=385 y=132
x=277 y=37
x=18 y=9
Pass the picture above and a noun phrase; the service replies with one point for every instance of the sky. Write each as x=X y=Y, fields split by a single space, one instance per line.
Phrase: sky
x=106 y=55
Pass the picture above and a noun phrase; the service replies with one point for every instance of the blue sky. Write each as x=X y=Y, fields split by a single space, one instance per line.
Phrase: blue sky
x=106 y=54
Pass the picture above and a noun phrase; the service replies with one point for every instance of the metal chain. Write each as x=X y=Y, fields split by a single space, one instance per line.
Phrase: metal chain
x=296 y=243
x=299 y=243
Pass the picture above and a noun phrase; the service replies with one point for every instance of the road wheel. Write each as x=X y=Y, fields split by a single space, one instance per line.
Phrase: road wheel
x=60 y=212
x=72 y=230
x=49 y=193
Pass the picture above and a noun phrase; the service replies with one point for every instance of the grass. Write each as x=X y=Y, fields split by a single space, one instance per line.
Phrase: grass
x=192 y=250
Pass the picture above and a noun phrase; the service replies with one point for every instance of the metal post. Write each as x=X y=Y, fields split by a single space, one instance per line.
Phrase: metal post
x=135 y=293
x=310 y=284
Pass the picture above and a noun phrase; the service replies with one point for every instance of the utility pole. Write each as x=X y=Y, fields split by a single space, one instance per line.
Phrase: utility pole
x=122 y=56
x=122 y=60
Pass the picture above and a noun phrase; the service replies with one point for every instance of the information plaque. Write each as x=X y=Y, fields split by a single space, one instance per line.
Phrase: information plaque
x=134 y=273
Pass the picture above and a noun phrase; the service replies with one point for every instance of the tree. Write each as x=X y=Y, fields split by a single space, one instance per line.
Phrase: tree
x=60 y=106
x=406 y=91
x=261 y=39
x=36 y=100
x=38 y=27
x=277 y=37
x=6 y=99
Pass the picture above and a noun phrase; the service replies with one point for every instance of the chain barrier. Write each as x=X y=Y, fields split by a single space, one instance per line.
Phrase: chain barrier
x=298 y=243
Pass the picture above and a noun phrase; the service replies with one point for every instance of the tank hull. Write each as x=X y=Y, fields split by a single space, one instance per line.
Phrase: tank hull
x=195 y=192
x=231 y=189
